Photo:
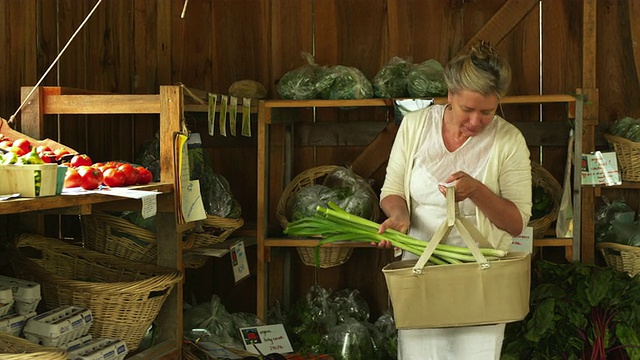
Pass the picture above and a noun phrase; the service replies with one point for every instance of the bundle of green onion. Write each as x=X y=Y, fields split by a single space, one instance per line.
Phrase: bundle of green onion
x=335 y=224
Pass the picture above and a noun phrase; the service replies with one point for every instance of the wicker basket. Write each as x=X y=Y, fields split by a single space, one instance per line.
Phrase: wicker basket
x=327 y=256
x=541 y=177
x=117 y=236
x=623 y=258
x=628 y=154
x=15 y=348
x=124 y=296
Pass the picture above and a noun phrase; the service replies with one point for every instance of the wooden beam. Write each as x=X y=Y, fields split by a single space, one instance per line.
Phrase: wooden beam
x=502 y=22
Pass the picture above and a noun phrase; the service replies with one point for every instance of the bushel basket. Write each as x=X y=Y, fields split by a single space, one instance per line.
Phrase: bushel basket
x=327 y=256
x=628 y=155
x=124 y=296
x=15 y=348
x=625 y=258
x=436 y=296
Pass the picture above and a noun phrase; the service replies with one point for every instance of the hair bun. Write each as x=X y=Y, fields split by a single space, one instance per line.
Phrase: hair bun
x=483 y=49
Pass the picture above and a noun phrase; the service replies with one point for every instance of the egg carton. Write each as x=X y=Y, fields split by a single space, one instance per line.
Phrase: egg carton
x=100 y=349
x=77 y=343
x=14 y=323
x=58 y=326
x=6 y=300
x=26 y=294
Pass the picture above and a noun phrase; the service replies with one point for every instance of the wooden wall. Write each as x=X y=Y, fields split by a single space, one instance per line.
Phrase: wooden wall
x=135 y=46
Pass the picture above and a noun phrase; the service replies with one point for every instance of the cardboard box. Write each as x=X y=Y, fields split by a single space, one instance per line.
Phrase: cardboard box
x=460 y=294
x=25 y=293
x=58 y=326
x=100 y=349
x=22 y=179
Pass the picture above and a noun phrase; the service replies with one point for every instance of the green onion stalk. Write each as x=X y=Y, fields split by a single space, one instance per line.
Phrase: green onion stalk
x=334 y=224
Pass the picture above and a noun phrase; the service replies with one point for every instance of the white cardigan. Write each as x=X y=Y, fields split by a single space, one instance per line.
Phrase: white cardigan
x=508 y=172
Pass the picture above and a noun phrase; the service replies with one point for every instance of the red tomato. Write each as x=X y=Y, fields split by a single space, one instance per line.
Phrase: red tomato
x=114 y=177
x=130 y=173
x=80 y=160
x=23 y=144
x=18 y=150
x=144 y=175
x=72 y=178
x=60 y=153
x=91 y=177
x=43 y=148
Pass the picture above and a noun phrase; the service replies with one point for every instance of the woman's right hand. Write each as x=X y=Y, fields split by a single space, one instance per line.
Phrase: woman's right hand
x=397 y=223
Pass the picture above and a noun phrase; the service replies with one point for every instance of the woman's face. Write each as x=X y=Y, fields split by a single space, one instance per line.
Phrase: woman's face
x=472 y=111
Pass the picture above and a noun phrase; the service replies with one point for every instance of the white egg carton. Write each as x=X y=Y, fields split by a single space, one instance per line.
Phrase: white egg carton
x=14 y=323
x=77 y=343
x=100 y=349
x=58 y=326
x=6 y=300
x=26 y=294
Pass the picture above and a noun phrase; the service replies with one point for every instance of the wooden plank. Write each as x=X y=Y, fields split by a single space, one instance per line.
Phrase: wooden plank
x=102 y=104
x=503 y=21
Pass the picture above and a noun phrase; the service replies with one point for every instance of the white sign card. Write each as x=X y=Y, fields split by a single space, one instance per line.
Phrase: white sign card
x=266 y=339
x=600 y=168
x=523 y=242
x=239 y=261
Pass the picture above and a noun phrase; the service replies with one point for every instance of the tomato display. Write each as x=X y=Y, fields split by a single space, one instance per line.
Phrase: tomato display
x=131 y=174
x=80 y=160
x=72 y=178
x=144 y=175
x=91 y=178
x=114 y=177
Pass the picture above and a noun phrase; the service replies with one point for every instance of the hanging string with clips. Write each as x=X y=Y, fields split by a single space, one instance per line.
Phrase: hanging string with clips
x=55 y=61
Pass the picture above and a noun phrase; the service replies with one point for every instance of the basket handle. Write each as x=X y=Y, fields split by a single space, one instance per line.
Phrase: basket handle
x=467 y=231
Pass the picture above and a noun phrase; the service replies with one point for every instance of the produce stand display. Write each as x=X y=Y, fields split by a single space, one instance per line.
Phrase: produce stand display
x=168 y=105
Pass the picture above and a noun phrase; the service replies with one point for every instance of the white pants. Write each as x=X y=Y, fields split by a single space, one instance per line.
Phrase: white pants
x=457 y=343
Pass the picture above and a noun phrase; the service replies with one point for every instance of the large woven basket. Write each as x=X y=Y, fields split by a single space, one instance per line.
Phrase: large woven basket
x=623 y=258
x=628 y=154
x=541 y=177
x=15 y=348
x=327 y=256
x=124 y=296
x=117 y=236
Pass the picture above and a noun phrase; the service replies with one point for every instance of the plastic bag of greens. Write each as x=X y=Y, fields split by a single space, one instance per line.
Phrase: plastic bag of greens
x=621 y=126
x=427 y=79
x=389 y=335
x=391 y=81
x=309 y=320
x=351 y=341
x=617 y=211
x=633 y=132
x=304 y=203
x=214 y=318
x=300 y=83
x=344 y=83
x=350 y=304
x=359 y=200
x=217 y=196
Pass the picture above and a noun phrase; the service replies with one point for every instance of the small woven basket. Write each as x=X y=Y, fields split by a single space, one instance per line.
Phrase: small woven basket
x=541 y=177
x=628 y=154
x=124 y=296
x=15 y=348
x=117 y=236
x=623 y=258
x=327 y=256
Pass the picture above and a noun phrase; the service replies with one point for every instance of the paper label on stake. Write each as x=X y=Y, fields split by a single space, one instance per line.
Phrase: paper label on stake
x=246 y=117
x=523 y=242
x=211 y=113
x=149 y=206
x=266 y=339
x=233 y=113
x=239 y=262
x=223 y=115
x=192 y=206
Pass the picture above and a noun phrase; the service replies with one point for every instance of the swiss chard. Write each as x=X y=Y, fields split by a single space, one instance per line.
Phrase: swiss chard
x=578 y=311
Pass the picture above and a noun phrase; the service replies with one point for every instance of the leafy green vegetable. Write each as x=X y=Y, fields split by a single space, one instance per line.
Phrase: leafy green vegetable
x=300 y=83
x=392 y=81
x=344 y=83
x=427 y=79
x=578 y=311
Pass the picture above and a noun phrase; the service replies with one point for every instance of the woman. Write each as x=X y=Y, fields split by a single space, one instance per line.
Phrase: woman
x=485 y=158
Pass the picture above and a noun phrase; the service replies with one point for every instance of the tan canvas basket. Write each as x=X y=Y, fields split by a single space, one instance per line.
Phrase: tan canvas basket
x=433 y=296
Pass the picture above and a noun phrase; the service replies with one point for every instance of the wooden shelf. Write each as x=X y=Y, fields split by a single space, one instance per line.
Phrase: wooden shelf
x=168 y=105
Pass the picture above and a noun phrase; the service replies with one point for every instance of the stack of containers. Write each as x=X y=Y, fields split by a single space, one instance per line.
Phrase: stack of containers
x=100 y=349
x=18 y=302
x=58 y=326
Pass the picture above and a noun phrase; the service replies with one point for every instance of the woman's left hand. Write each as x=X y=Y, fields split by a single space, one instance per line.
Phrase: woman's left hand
x=464 y=184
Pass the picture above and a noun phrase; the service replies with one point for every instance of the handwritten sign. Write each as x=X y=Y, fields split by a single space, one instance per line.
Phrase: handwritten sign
x=600 y=168
x=266 y=339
